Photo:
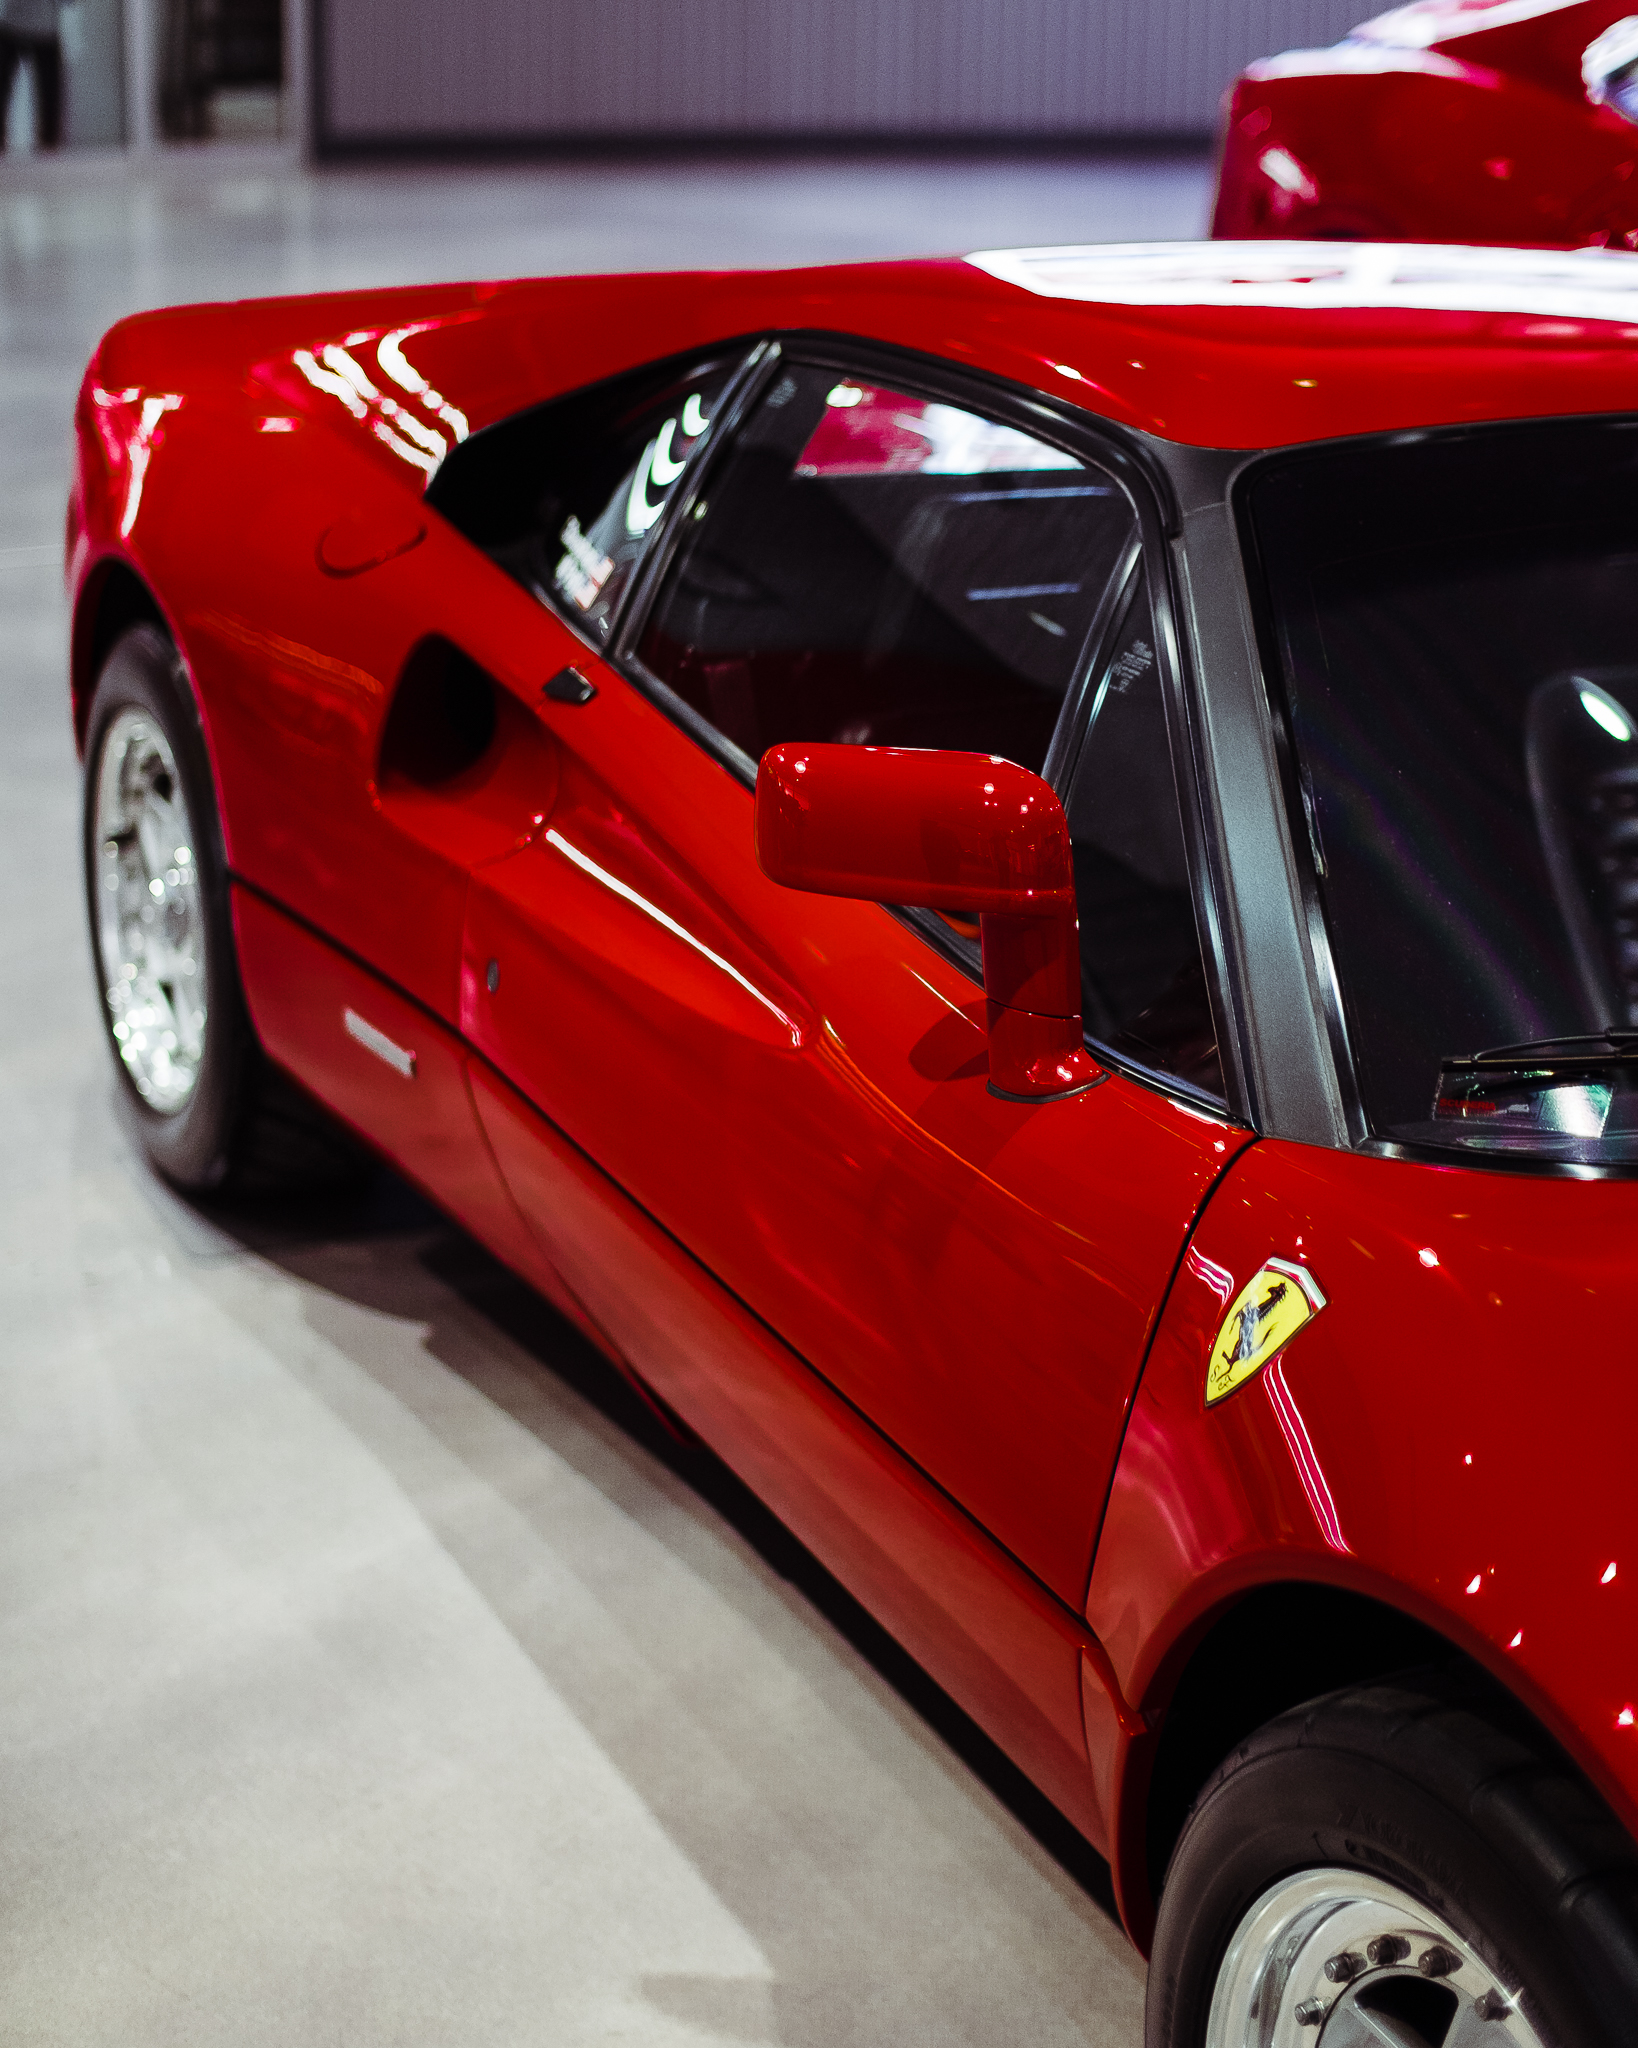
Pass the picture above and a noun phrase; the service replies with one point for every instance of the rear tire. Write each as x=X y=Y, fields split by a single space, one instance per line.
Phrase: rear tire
x=1423 y=1832
x=201 y=1098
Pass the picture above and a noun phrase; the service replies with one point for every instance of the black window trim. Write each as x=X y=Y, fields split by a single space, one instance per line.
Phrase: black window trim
x=754 y=376
x=742 y=376
x=1297 y=801
x=1154 y=500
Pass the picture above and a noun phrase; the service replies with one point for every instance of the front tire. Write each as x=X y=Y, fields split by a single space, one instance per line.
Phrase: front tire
x=1401 y=1864
x=201 y=1098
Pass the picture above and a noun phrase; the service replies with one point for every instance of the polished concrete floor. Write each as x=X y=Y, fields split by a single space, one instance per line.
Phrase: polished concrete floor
x=370 y=1671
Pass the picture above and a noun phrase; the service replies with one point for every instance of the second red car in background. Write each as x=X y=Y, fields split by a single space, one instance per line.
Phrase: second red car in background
x=1447 y=121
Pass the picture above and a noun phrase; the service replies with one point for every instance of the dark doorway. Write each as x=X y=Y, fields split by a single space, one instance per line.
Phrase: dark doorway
x=222 y=71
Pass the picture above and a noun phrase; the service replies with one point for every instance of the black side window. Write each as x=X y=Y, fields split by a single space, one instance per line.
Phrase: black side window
x=564 y=496
x=1143 y=981
x=887 y=570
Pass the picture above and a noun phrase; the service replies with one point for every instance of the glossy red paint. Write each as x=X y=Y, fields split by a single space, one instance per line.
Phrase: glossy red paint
x=1372 y=1455
x=778 y=1080
x=363 y=540
x=396 y=1076
x=942 y=831
x=295 y=667
x=1445 y=123
x=1244 y=374
x=744 y=1136
x=1002 y=1646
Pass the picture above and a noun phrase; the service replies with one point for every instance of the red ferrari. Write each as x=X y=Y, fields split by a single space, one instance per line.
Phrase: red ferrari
x=1015 y=880
x=1445 y=121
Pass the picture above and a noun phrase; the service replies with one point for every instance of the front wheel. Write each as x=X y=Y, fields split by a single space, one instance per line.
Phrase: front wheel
x=1398 y=1866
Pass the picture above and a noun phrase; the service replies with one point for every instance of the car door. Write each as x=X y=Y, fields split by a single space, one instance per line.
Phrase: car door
x=370 y=708
x=794 y=1088
x=368 y=694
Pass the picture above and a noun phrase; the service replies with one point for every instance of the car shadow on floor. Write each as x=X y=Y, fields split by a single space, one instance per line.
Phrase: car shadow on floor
x=406 y=1242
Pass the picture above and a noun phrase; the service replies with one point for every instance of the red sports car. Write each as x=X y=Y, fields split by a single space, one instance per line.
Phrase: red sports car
x=1446 y=121
x=1015 y=880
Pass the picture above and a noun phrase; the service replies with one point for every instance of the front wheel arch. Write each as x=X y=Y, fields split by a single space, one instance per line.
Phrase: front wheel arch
x=1266 y=1652
x=1429 y=1806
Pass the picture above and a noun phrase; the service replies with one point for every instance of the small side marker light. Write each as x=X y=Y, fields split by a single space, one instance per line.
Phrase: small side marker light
x=569 y=686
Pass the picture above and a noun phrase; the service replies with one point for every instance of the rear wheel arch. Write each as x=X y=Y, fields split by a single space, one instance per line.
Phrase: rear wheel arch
x=112 y=598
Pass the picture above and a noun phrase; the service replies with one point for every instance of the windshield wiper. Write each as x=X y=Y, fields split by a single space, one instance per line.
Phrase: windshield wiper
x=1554 y=1089
x=1569 y=1053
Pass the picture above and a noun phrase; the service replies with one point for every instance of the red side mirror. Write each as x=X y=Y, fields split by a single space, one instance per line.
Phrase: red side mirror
x=946 y=832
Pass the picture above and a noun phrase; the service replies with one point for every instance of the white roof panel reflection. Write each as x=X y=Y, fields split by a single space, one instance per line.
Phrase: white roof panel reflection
x=1575 y=284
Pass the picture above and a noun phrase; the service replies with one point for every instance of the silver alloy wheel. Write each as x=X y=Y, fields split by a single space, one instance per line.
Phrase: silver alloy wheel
x=1336 y=1959
x=150 y=921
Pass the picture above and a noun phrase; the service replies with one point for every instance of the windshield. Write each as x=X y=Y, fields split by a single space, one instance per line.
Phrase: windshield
x=1457 y=627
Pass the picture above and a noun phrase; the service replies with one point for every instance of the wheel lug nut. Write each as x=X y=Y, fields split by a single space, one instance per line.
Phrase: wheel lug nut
x=1309 y=2013
x=1344 y=1968
x=1388 y=1948
x=1438 y=1962
x=1492 y=2005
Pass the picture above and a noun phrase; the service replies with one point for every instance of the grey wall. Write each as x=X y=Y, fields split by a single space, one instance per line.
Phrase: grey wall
x=94 y=62
x=496 y=70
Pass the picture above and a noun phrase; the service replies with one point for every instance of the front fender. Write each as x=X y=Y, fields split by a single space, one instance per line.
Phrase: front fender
x=1450 y=1435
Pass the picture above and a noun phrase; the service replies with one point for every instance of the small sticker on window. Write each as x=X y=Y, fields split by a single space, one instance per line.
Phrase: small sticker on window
x=584 y=568
x=1137 y=661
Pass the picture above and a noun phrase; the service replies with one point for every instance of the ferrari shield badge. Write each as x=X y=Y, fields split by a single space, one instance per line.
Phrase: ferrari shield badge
x=1267 y=1313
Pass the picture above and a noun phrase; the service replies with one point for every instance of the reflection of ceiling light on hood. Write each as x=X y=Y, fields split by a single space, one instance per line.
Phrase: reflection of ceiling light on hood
x=1603 y=710
x=390 y=355
x=1609 y=68
x=1281 y=168
x=1426 y=22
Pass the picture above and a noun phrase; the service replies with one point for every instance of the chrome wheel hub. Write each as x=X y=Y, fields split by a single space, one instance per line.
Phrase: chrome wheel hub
x=149 y=919
x=1336 y=1959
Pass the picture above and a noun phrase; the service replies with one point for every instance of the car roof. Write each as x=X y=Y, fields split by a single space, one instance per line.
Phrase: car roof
x=1257 y=344
x=1227 y=344
x=1211 y=344
x=1236 y=344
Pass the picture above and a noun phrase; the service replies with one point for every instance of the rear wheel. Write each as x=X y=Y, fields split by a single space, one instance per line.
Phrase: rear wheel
x=205 y=1104
x=1401 y=1866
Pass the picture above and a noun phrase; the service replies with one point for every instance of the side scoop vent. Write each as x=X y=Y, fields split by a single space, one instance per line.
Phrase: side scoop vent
x=443 y=717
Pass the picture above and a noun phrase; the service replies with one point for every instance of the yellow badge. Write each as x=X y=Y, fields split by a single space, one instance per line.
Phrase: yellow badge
x=1267 y=1313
